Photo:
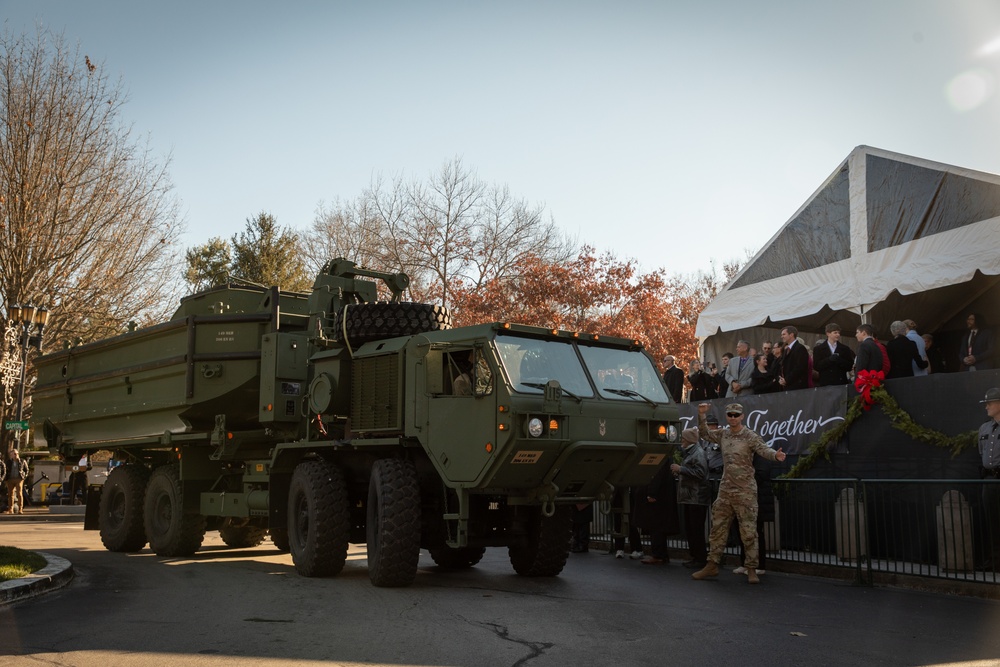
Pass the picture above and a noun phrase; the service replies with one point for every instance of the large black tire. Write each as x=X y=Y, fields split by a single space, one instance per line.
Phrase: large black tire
x=279 y=537
x=120 y=522
x=170 y=530
x=376 y=321
x=546 y=550
x=319 y=519
x=457 y=559
x=238 y=535
x=393 y=523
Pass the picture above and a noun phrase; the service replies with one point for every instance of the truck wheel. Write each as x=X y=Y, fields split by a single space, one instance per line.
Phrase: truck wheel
x=376 y=321
x=393 y=525
x=546 y=549
x=279 y=538
x=171 y=532
x=239 y=535
x=120 y=519
x=457 y=559
x=319 y=519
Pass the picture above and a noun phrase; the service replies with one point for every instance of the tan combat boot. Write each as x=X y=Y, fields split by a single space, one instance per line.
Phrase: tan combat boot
x=752 y=575
x=711 y=569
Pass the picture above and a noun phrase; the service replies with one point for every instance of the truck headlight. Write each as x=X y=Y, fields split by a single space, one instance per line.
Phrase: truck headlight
x=672 y=432
x=535 y=427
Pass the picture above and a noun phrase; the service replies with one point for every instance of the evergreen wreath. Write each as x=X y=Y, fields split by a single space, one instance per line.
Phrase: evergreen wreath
x=873 y=393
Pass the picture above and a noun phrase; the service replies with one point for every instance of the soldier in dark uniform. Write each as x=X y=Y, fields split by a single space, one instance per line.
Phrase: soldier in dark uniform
x=989 y=452
x=738 y=490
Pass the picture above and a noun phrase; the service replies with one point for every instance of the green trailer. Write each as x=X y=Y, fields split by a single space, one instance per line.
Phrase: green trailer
x=332 y=418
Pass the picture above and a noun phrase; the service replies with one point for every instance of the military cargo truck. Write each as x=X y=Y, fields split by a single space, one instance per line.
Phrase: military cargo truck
x=332 y=418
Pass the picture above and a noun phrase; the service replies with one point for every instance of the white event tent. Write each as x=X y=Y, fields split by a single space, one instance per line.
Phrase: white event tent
x=886 y=237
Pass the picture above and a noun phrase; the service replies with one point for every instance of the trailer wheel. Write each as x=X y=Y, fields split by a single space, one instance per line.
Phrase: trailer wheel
x=120 y=520
x=546 y=549
x=319 y=519
x=393 y=525
x=378 y=320
x=457 y=559
x=238 y=535
x=170 y=530
x=279 y=538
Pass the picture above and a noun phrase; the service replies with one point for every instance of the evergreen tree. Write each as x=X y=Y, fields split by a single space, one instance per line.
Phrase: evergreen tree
x=267 y=254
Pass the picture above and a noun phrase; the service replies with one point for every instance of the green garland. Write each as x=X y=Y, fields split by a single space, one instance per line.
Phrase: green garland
x=897 y=416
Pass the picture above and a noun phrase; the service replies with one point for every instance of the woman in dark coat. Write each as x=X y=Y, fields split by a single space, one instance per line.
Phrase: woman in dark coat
x=902 y=351
x=656 y=514
x=763 y=381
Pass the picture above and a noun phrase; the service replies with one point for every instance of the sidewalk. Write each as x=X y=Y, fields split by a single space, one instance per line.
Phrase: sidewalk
x=58 y=572
x=47 y=513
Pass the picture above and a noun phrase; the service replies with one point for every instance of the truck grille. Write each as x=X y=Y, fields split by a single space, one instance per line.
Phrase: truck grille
x=375 y=401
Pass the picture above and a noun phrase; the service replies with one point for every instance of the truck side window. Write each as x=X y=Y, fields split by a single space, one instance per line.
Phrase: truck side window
x=483 y=376
x=459 y=372
x=468 y=373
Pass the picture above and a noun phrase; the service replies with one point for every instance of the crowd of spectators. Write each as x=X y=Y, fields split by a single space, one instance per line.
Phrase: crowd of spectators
x=790 y=363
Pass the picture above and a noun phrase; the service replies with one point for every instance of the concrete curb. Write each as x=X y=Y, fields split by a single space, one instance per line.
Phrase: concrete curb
x=67 y=513
x=55 y=575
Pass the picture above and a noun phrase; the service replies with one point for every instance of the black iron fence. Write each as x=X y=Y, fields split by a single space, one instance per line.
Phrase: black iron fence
x=946 y=529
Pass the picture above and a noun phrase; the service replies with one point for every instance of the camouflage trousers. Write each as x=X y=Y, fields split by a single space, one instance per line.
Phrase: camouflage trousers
x=724 y=509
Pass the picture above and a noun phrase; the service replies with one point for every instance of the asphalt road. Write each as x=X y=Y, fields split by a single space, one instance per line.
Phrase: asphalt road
x=248 y=607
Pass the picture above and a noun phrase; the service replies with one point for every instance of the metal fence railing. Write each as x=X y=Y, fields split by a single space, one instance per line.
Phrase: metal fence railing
x=945 y=529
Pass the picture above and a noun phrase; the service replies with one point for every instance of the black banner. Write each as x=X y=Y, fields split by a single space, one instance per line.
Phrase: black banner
x=790 y=420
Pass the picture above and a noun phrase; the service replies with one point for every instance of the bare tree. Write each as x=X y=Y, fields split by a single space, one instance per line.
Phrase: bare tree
x=452 y=230
x=509 y=232
x=346 y=229
x=88 y=225
x=445 y=214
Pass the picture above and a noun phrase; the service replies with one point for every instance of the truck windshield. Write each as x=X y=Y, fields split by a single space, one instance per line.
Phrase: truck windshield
x=530 y=363
x=623 y=374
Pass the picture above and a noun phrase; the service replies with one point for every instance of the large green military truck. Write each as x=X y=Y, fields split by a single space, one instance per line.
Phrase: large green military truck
x=333 y=418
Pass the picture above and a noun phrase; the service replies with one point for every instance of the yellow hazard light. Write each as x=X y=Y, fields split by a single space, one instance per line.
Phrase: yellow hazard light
x=502 y=408
x=506 y=325
x=555 y=332
x=229 y=435
x=489 y=447
x=596 y=337
x=553 y=425
x=662 y=432
x=576 y=334
x=502 y=427
x=270 y=407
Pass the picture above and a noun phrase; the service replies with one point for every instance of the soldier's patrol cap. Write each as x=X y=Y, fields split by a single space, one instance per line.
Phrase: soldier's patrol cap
x=734 y=407
x=991 y=395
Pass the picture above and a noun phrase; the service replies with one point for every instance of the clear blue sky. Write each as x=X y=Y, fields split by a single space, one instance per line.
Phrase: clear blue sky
x=671 y=132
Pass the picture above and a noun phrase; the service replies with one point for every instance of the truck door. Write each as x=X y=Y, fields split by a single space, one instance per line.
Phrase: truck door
x=461 y=414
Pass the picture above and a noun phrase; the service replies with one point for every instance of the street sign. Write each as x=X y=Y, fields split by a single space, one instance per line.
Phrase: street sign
x=16 y=426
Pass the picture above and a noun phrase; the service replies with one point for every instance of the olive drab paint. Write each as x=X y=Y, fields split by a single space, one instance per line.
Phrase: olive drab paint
x=332 y=418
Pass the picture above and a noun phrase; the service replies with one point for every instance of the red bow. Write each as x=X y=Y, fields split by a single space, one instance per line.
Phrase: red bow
x=865 y=382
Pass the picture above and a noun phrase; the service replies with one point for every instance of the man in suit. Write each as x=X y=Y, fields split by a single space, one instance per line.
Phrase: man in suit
x=976 y=353
x=794 y=361
x=869 y=355
x=673 y=378
x=739 y=370
x=832 y=359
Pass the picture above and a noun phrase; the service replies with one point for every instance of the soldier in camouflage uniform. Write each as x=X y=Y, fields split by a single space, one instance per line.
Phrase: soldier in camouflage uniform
x=738 y=489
